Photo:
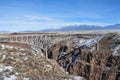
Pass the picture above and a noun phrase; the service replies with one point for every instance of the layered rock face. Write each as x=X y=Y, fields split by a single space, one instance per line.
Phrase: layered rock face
x=93 y=62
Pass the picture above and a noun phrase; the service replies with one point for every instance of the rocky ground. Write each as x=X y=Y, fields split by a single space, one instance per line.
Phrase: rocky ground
x=80 y=58
x=19 y=64
x=93 y=59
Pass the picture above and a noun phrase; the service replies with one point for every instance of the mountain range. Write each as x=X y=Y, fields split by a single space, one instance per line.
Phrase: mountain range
x=78 y=27
x=84 y=27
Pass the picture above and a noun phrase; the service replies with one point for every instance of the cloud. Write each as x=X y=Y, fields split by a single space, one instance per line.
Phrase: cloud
x=44 y=18
x=51 y=23
x=29 y=22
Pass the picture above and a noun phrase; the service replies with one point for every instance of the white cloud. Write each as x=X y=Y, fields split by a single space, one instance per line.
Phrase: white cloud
x=41 y=22
x=45 y=18
x=51 y=23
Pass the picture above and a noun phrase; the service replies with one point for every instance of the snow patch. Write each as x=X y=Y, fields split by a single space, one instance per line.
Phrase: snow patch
x=117 y=51
x=26 y=79
x=3 y=46
x=10 y=68
x=78 y=78
x=12 y=77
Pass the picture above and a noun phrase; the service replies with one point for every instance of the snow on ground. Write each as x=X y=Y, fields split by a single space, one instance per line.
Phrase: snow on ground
x=75 y=77
x=78 y=78
x=89 y=42
x=3 y=46
x=12 y=77
x=1 y=68
x=117 y=51
x=26 y=79
x=8 y=68
x=82 y=42
x=6 y=46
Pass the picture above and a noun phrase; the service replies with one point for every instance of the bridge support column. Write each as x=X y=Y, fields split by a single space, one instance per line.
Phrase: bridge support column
x=46 y=48
x=97 y=46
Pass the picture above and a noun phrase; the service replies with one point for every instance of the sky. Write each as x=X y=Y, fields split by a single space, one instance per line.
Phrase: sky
x=22 y=15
